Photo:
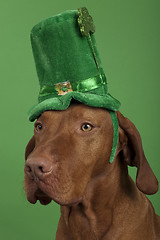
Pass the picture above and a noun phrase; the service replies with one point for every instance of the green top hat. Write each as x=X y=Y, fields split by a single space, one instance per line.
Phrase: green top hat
x=68 y=65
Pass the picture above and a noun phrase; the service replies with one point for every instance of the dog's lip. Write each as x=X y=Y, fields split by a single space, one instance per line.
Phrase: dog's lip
x=32 y=199
x=42 y=197
x=45 y=197
x=40 y=193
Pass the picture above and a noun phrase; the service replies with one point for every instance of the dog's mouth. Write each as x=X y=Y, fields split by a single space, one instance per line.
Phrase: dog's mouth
x=42 y=197
x=34 y=192
x=38 y=193
x=46 y=190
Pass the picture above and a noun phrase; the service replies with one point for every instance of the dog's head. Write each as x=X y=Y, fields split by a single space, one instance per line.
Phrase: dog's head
x=70 y=148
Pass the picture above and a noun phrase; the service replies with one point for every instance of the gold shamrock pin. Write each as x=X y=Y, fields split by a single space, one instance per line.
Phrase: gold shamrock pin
x=85 y=22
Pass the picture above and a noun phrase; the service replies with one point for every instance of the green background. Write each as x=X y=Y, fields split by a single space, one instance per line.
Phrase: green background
x=128 y=39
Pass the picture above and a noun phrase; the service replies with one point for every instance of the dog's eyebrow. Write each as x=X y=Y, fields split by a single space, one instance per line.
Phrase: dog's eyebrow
x=88 y=116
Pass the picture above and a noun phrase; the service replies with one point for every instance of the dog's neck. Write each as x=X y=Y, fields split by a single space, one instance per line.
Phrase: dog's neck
x=104 y=193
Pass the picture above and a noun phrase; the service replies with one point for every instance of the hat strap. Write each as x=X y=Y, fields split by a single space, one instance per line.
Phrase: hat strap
x=115 y=135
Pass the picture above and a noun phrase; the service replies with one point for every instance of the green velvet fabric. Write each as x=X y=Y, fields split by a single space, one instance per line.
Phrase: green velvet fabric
x=62 y=54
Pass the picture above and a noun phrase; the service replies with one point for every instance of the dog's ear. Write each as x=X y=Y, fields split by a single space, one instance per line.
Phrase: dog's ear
x=133 y=154
x=30 y=146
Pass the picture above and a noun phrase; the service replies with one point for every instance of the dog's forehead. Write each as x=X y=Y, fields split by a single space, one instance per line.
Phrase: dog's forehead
x=82 y=111
x=76 y=112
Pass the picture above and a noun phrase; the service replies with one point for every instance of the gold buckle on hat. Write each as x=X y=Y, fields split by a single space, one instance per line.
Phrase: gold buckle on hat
x=63 y=88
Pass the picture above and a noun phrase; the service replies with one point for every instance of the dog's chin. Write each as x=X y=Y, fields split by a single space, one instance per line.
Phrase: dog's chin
x=67 y=203
x=64 y=199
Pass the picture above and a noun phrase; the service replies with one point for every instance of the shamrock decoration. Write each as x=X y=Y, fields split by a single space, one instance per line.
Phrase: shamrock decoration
x=86 y=25
x=85 y=22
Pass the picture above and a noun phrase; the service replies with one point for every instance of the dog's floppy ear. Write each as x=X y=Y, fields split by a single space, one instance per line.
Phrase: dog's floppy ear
x=30 y=146
x=134 y=156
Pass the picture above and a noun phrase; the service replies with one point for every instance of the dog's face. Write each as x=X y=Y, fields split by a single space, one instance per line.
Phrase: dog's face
x=68 y=149
x=71 y=148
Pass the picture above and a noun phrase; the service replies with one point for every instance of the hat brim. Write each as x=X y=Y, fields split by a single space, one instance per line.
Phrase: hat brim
x=63 y=102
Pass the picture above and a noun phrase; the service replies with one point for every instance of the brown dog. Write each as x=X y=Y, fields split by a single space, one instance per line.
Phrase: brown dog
x=67 y=161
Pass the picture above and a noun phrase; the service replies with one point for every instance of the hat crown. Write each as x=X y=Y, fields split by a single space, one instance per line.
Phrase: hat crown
x=61 y=53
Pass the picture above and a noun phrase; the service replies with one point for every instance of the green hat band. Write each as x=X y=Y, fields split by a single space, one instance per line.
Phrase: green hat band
x=80 y=86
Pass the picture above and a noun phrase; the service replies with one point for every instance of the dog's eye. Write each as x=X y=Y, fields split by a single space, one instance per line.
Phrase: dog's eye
x=86 y=127
x=38 y=126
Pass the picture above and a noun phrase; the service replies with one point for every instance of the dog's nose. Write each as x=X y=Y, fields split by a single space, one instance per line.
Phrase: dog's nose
x=38 y=167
